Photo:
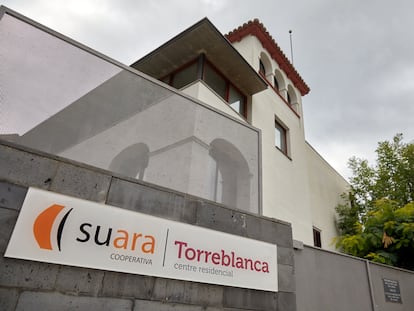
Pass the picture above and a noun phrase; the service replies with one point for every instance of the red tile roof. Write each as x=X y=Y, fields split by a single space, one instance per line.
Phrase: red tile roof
x=256 y=28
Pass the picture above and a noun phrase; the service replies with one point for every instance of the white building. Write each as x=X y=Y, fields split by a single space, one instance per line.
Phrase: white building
x=241 y=142
x=298 y=185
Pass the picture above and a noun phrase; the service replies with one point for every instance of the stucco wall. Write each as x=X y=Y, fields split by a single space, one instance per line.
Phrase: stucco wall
x=285 y=184
x=326 y=187
x=301 y=188
x=27 y=285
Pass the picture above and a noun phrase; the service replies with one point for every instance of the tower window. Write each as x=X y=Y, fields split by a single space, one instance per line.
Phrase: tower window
x=281 y=137
x=276 y=84
x=262 y=68
x=317 y=237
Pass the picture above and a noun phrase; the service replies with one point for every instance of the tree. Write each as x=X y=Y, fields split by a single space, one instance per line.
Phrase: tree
x=376 y=221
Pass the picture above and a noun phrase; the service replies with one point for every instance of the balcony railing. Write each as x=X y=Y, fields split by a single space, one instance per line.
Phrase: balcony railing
x=63 y=98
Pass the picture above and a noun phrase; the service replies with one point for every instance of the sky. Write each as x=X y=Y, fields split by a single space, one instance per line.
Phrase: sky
x=356 y=56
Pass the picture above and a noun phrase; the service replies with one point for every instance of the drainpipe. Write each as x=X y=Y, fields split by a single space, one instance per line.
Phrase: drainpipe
x=371 y=289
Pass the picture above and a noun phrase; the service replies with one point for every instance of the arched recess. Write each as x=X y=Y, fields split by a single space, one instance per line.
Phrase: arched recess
x=292 y=98
x=132 y=161
x=281 y=84
x=265 y=60
x=230 y=175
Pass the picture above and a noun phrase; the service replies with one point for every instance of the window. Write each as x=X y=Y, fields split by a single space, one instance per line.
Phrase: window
x=236 y=100
x=202 y=69
x=215 y=81
x=185 y=76
x=281 y=137
x=262 y=68
x=166 y=79
x=292 y=98
x=276 y=84
x=317 y=237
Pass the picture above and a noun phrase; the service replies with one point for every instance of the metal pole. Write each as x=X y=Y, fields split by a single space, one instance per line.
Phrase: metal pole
x=371 y=290
x=291 y=46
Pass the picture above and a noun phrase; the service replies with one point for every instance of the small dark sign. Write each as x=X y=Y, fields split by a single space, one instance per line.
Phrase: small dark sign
x=392 y=291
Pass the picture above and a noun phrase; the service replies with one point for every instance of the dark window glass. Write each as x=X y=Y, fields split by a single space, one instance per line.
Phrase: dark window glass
x=280 y=137
x=289 y=100
x=215 y=81
x=276 y=84
x=185 y=76
x=262 y=69
x=236 y=100
x=317 y=238
x=166 y=79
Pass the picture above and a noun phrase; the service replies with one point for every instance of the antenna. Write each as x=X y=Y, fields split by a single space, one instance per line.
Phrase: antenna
x=291 y=47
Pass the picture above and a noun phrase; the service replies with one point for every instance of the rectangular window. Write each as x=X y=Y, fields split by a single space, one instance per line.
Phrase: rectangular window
x=281 y=137
x=202 y=69
x=317 y=237
x=185 y=76
x=166 y=79
x=236 y=100
x=215 y=81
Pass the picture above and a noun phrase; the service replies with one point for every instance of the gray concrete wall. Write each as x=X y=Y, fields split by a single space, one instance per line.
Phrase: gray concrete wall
x=27 y=285
x=333 y=281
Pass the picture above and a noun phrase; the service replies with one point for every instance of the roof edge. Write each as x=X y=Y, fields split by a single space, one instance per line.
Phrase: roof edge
x=262 y=84
x=257 y=29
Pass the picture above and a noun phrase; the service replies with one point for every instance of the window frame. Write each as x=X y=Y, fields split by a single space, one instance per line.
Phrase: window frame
x=181 y=70
x=243 y=111
x=202 y=63
x=284 y=132
x=317 y=237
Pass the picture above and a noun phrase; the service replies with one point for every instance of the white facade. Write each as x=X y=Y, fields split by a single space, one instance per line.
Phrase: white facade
x=300 y=186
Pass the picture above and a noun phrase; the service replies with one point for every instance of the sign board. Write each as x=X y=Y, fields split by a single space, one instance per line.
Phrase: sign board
x=392 y=291
x=64 y=230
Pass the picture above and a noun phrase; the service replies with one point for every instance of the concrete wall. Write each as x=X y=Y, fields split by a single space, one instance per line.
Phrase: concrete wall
x=333 y=281
x=27 y=285
x=325 y=189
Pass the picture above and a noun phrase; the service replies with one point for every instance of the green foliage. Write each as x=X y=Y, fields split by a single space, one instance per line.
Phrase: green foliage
x=377 y=221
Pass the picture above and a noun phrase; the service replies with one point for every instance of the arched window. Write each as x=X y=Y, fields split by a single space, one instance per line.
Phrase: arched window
x=132 y=161
x=262 y=68
x=265 y=66
x=292 y=98
x=276 y=84
x=279 y=81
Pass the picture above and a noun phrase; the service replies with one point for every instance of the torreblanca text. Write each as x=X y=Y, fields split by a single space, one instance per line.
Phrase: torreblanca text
x=221 y=258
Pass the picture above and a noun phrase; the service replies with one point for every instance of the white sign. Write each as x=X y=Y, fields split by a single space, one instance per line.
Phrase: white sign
x=65 y=230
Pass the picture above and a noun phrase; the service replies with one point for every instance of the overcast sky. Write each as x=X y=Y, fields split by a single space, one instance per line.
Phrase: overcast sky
x=356 y=56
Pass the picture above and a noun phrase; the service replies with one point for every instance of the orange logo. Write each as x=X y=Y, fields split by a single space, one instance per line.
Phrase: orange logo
x=42 y=226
